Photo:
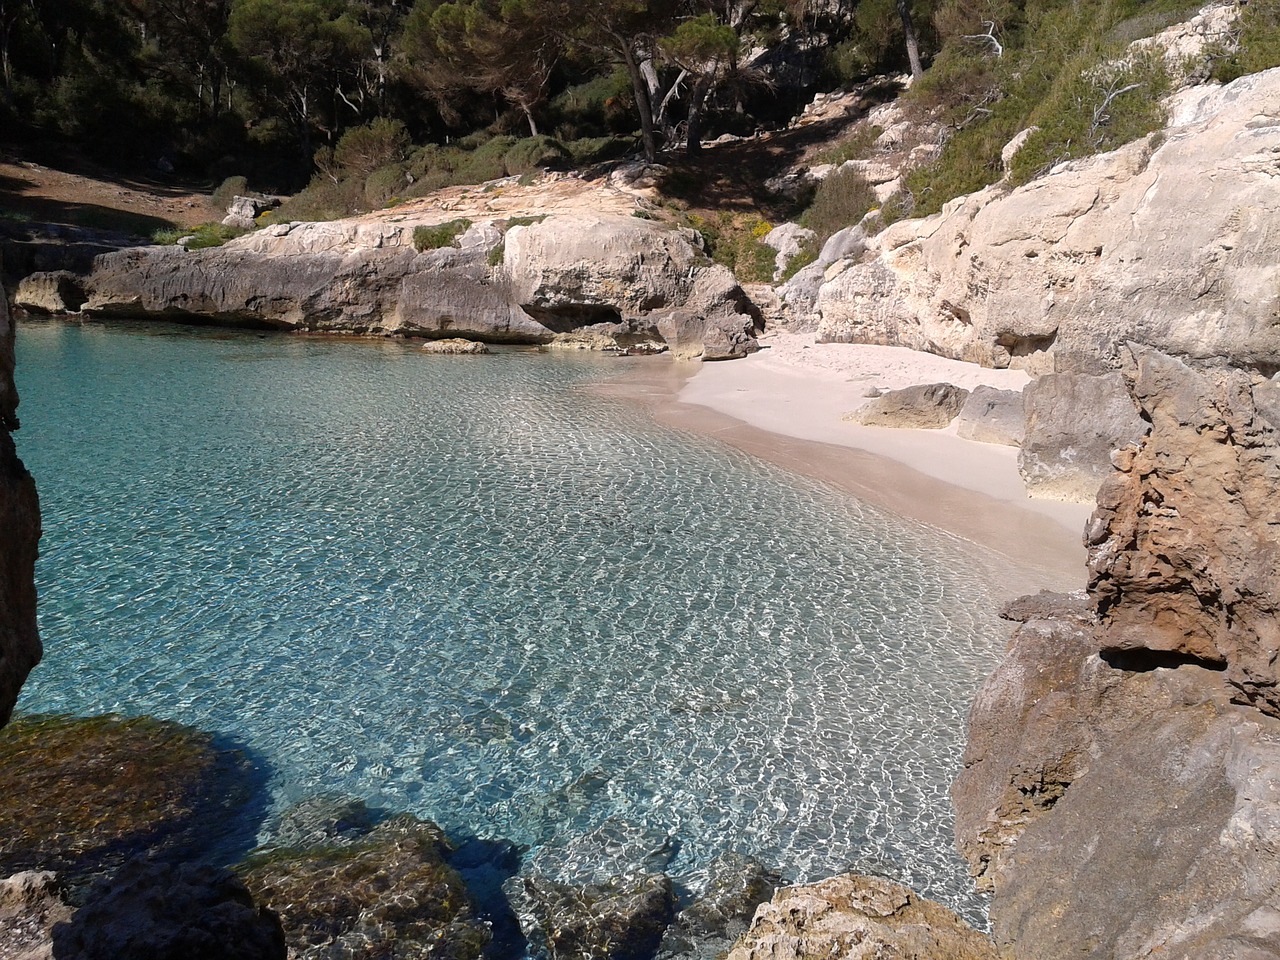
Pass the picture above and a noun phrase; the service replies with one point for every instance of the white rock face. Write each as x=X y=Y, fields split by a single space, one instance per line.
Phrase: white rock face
x=1173 y=241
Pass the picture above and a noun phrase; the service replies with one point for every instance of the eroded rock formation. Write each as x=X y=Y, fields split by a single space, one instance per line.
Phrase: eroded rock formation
x=624 y=278
x=1139 y=243
x=20 y=533
x=1119 y=792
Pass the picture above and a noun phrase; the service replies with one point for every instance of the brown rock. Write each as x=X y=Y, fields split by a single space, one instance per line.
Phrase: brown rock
x=20 y=648
x=926 y=406
x=858 y=918
x=31 y=904
x=454 y=346
x=1183 y=548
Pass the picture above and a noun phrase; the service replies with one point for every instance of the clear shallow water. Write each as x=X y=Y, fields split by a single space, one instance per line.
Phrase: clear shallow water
x=466 y=588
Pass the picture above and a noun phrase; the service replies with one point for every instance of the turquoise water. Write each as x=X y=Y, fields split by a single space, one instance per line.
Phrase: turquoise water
x=468 y=588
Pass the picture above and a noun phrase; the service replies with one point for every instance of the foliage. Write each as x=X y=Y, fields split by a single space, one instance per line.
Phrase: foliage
x=228 y=190
x=1259 y=42
x=441 y=235
x=841 y=200
x=202 y=237
x=736 y=241
x=1060 y=66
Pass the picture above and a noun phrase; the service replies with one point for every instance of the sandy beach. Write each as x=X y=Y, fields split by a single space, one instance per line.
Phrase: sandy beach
x=785 y=405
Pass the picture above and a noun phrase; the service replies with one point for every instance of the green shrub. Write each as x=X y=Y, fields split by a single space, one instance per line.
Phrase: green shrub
x=735 y=241
x=1259 y=45
x=383 y=184
x=440 y=235
x=202 y=237
x=228 y=190
x=321 y=200
x=535 y=153
x=367 y=148
x=840 y=201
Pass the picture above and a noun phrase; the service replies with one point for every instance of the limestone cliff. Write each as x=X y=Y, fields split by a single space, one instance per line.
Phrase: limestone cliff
x=19 y=534
x=625 y=278
x=1170 y=241
x=1119 y=792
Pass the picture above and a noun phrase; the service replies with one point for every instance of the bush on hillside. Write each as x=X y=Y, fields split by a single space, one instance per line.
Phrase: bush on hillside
x=228 y=190
x=1259 y=42
x=440 y=235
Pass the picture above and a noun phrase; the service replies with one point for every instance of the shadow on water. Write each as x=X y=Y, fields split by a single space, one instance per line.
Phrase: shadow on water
x=485 y=865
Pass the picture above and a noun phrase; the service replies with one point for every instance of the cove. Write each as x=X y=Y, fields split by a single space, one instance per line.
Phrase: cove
x=469 y=588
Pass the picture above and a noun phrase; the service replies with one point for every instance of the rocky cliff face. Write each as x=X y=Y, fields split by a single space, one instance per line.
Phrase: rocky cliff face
x=19 y=532
x=1144 y=243
x=619 y=277
x=1119 y=792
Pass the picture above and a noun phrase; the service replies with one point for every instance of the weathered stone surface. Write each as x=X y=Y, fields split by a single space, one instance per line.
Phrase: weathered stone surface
x=620 y=919
x=31 y=904
x=1074 y=423
x=858 y=918
x=1136 y=244
x=1183 y=548
x=1131 y=802
x=736 y=885
x=83 y=795
x=991 y=415
x=243 y=211
x=57 y=291
x=390 y=892
x=627 y=279
x=788 y=239
x=20 y=648
x=454 y=346
x=926 y=406
x=162 y=911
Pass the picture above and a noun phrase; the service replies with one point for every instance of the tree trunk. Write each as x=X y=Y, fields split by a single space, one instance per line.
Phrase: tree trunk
x=644 y=105
x=913 y=45
x=528 y=115
x=697 y=100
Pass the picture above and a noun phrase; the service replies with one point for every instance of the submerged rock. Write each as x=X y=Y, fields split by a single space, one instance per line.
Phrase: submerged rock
x=388 y=893
x=159 y=911
x=85 y=794
x=858 y=918
x=454 y=346
x=620 y=919
x=20 y=520
x=323 y=820
x=926 y=406
x=736 y=885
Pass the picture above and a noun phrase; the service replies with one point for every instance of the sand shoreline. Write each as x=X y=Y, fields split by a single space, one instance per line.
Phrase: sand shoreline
x=785 y=404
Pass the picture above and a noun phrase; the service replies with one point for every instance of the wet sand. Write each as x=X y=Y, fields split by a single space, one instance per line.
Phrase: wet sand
x=785 y=408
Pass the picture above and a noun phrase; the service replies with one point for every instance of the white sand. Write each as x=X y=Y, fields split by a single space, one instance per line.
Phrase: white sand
x=795 y=392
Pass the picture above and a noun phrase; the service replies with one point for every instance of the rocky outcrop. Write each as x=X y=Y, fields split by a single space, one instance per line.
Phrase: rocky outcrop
x=162 y=911
x=1073 y=424
x=858 y=918
x=926 y=406
x=20 y=522
x=1185 y=544
x=31 y=905
x=56 y=291
x=629 y=279
x=1135 y=244
x=992 y=415
x=387 y=892
x=1122 y=760
x=454 y=346
x=736 y=885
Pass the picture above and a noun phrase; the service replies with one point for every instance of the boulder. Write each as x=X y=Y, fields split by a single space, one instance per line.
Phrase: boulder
x=1183 y=550
x=926 y=406
x=56 y=291
x=788 y=239
x=858 y=918
x=388 y=892
x=622 y=918
x=163 y=911
x=454 y=346
x=1074 y=423
x=20 y=648
x=85 y=794
x=31 y=905
x=243 y=212
x=322 y=820
x=991 y=415
x=1139 y=243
